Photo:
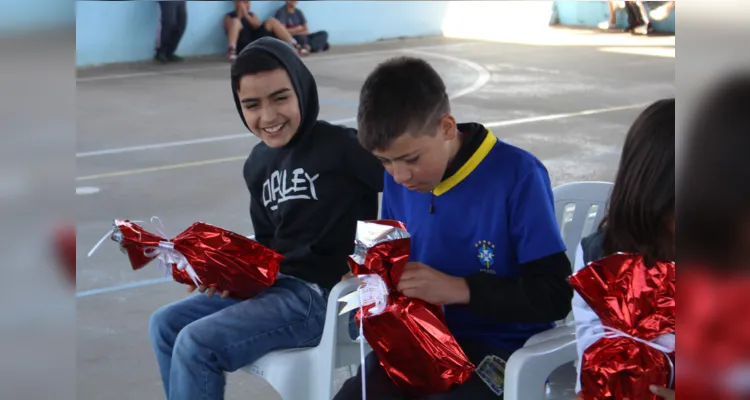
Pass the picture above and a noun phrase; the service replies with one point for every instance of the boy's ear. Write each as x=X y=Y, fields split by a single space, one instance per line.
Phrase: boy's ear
x=447 y=127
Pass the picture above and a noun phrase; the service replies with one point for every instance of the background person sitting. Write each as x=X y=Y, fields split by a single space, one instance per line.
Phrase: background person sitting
x=244 y=27
x=296 y=23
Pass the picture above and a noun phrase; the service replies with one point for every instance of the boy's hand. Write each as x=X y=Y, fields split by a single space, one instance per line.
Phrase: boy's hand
x=210 y=291
x=422 y=282
x=662 y=392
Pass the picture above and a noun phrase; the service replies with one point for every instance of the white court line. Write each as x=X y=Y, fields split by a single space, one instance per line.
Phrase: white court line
x=488 y=125
x=239 y=158
x=483 y=76
x=551 y=117
x=321 y=57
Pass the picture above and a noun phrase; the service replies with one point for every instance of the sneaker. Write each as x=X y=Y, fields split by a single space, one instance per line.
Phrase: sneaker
x=659 y=13
x=606 y=25
x=161 y=58
x=641 y=29
x=232 y=53
x=301 y=50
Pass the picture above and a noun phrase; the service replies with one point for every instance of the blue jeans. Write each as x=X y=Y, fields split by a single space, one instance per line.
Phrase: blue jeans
x=198 y=339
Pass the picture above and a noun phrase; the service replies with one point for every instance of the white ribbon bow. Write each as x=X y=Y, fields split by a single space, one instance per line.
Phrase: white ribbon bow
x=165 y=252
x=168 y=256
x=664 y=343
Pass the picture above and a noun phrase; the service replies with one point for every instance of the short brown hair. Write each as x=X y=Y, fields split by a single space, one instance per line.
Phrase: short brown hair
x=401 y=94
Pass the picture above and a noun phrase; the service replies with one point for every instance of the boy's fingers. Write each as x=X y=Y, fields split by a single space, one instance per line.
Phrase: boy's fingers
x=202 y=289
x=211 y=291
x=224 y=294
x=662 y=392
x=191 y=288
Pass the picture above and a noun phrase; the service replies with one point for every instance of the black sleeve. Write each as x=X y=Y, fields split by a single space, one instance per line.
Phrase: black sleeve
x=263 y=228
x=365 y=166
x=262 y=225
x=540 y=294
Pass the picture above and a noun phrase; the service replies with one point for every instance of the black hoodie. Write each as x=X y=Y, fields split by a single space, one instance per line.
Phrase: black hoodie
x=307 y=196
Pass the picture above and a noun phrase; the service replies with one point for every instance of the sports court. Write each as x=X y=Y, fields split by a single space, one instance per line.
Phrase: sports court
x=167 y=142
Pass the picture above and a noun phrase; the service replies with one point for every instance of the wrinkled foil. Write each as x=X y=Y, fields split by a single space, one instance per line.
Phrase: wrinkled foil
x=409 y=336
x=639 y=301
x=221 y=258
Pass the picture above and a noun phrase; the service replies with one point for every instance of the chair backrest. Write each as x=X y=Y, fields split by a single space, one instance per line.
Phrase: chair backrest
x=579 y=209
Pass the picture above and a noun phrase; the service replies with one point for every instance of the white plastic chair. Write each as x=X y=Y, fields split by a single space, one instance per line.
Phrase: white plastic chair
x=307 y=374
x=579 y=208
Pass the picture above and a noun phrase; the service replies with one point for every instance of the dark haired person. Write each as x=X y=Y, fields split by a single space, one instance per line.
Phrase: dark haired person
x=309 y=183
x=484 y=239
x=296 y=23
x=713 y=241
x=641 y=213
x=244 y=27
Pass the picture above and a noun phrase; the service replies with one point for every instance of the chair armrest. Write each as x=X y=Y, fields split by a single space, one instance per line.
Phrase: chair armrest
x=528 y=368
x=330 y=330
x=550 y=334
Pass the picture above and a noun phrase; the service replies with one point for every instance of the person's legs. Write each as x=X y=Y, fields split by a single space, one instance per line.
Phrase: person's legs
x=379 y=385
x=180 y=26
x=290 y=314
x=278 y=29
x=612 y=22
x=662 y=12
x=637 y=19
x=167 y=322
x=233 y=27
x=168 y=19
x=474 y=388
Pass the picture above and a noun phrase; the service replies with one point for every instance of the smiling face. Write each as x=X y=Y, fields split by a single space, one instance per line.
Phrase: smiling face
x=270 y=106
x=419 y=161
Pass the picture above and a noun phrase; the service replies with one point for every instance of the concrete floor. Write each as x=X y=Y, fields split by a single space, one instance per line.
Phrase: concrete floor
x=167 y=141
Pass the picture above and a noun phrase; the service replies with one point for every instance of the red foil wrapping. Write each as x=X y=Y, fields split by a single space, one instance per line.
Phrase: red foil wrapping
x=714 y=335
x=220 y=258
x=638 y=300
x=410 y=337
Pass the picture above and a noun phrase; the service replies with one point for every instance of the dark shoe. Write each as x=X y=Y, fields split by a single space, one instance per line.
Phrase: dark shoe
x=161 y=58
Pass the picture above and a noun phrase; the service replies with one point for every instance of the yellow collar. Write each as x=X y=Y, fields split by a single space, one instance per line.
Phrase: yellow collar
x=469 y=166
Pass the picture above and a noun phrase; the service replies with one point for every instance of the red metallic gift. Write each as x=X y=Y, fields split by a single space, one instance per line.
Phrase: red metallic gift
x=636 y=305
x=409 y=336
x=715 y=338
x=203 y=254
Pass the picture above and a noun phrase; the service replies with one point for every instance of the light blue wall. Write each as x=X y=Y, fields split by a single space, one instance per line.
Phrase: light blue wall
x=27 y=15
x=591 y=13
x=123 y=31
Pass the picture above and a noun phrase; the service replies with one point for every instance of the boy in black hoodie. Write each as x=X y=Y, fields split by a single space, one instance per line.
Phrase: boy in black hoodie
x=309 y=183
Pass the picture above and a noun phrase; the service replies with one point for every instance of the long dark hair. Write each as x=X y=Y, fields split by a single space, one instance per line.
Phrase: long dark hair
x=714 y=197
x=641 y=206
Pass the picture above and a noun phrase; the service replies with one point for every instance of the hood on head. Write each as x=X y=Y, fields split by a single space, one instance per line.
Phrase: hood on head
x=301 y=77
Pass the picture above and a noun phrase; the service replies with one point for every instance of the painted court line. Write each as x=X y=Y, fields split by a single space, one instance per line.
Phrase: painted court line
x=207 y=162
x=551 y=117
x=162 y=168
x=117 y=288
x=483 y=76
x=321 y=57
x=494 y=124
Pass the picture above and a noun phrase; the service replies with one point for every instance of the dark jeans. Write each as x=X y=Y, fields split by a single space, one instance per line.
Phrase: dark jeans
x=318 y=41
x=380 y=386
x=636 y=16
x=173 y=23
